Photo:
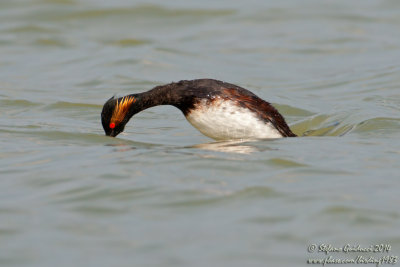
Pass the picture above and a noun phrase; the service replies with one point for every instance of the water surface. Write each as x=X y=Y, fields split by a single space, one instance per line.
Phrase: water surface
x=162 y=194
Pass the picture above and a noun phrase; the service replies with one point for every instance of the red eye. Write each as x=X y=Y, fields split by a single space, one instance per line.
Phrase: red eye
x=112 y=125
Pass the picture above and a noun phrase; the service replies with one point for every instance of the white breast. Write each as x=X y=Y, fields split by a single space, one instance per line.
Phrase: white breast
x=224 y=120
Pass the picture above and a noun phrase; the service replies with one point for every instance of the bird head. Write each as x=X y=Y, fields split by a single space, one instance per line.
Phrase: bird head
x=116 y=113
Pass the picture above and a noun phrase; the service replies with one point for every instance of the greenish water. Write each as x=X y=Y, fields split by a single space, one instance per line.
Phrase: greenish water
x=164 y=195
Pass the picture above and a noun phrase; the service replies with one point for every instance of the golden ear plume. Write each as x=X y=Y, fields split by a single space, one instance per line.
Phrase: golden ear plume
x=122 y=108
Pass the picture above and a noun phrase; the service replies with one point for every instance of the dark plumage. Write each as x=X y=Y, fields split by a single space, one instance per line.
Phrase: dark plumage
x=190 y=96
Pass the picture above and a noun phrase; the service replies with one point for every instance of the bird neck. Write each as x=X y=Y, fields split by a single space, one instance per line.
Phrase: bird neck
x=160 y=95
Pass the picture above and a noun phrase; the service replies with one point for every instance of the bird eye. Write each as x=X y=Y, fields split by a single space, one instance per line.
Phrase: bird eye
x=112 y=125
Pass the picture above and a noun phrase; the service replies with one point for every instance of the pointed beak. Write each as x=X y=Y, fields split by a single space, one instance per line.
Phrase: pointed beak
x=111 y=133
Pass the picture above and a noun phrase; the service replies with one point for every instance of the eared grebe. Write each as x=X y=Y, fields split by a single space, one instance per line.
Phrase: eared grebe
x=219 y=110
